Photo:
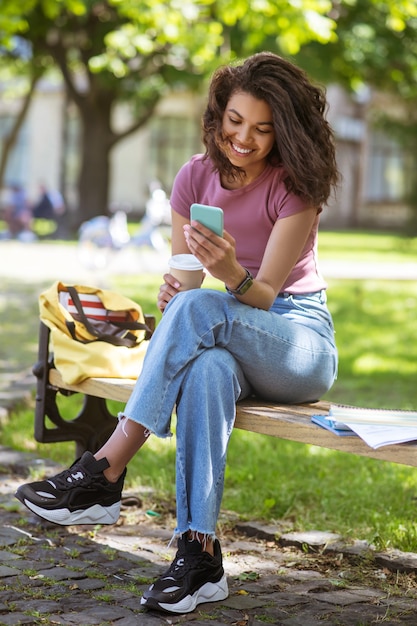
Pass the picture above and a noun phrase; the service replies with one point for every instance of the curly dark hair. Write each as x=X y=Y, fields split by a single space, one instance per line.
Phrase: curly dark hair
x=303 y=138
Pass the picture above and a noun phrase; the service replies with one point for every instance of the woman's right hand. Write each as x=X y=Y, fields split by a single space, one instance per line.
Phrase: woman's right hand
x=167 y=291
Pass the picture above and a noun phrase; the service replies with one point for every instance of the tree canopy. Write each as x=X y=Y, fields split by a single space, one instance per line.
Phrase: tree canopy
x=376 y=44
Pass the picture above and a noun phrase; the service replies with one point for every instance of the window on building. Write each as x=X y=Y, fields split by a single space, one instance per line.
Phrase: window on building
x=71 y=158
x=173 y=141
x=386 y=180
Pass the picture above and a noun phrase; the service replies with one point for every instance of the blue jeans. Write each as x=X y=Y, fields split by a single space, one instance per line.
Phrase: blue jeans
x=209 y=351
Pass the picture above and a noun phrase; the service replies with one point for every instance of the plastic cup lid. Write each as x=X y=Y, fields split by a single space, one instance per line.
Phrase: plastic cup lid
x=185 y=262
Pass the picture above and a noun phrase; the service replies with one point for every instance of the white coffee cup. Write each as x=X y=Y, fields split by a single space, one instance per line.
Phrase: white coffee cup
x=187 y=270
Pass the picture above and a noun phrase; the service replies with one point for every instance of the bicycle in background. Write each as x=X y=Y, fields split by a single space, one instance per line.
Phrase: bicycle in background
x=101 y=237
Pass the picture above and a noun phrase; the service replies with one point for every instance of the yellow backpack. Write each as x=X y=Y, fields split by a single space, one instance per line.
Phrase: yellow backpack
x=95 y=333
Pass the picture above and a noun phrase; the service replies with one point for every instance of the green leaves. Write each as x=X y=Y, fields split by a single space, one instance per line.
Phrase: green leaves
x=367 y=39
x=186 y=34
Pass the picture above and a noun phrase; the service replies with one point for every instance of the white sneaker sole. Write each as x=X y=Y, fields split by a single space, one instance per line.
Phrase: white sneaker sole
x=95 y=514
x=210 y=592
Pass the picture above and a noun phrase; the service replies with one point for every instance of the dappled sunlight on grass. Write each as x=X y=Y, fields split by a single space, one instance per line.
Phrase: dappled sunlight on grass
x=376 y=335
x=373 y=363
x=307 y=487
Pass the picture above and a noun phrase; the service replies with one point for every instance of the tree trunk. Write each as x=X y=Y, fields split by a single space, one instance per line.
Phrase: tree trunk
x=94 y=176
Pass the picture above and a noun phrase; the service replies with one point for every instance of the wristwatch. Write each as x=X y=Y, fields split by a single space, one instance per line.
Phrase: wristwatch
x=246 y=283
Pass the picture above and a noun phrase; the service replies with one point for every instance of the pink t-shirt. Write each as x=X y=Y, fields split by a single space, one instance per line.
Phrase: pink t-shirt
x=249 y=216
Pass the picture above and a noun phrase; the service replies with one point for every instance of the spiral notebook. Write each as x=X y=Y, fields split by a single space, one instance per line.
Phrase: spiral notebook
x=356 y=415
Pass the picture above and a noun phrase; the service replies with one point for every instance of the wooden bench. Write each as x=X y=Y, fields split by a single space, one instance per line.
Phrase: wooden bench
x=94 y=423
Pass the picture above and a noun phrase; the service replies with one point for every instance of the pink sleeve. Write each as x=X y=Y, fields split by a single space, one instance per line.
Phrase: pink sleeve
x=286 y=203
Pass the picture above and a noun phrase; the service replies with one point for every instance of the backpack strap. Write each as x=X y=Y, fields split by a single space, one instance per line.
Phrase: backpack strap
x=128 y=339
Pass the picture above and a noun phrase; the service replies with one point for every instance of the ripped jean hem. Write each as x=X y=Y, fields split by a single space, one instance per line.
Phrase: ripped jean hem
x=148 y=431
x=194 y=537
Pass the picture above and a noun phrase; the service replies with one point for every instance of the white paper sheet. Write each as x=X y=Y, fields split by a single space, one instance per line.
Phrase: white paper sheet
x=376 y=436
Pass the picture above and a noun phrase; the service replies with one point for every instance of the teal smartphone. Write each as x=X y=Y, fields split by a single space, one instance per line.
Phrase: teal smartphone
x=209 y=216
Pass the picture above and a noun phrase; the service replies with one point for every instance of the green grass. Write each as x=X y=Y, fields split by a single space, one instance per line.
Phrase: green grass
x=376 y=334
x=367 y=246
x=305 y=487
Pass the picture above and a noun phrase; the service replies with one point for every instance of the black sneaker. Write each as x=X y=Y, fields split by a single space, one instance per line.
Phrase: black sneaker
x=78 y=495
x=193 y=577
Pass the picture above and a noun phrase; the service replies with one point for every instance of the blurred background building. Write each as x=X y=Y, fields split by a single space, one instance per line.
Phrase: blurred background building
x=46 y=152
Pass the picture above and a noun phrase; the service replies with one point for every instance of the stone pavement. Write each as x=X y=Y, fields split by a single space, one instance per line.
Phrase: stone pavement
x=86 y=575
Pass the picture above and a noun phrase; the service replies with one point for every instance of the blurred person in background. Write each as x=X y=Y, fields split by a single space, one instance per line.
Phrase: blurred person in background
x=51 y=206
x=18 y=215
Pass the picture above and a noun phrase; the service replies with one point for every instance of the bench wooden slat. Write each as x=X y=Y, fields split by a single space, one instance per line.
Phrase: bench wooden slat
x=290 y=422
x=293 y=423
x=109 y=388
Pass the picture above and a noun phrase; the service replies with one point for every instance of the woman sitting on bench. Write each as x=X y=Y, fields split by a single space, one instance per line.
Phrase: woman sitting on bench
x=270 y=165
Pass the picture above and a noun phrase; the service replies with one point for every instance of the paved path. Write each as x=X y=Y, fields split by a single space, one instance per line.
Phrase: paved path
x=87 y=576
x=53 y=261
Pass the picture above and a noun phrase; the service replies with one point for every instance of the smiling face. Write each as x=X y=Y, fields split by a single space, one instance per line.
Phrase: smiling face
x=248 y=133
